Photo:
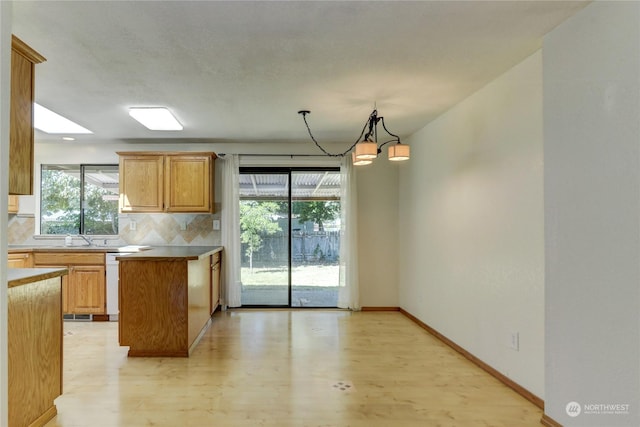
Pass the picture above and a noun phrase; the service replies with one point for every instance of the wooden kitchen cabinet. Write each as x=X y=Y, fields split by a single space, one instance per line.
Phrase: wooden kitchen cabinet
x=166 y=182
x=141 y=183
x=34 y=353
x=188 y=183
x=215 y=282
x=14 y=204
x=165 y=300
x=23 y=60
x=20 y=260
x=87 y=292
x=84 y=288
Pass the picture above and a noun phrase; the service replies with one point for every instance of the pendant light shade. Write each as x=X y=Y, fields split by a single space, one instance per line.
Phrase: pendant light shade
x=399 y=152
x=366 y=150
x=360 y=162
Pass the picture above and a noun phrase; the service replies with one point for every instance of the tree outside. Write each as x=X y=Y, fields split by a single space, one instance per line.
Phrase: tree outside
x=60 y=206
x=317 y=211
x=256 y=220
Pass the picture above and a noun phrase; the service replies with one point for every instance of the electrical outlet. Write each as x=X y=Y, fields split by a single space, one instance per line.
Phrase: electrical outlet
x=514 y=341
x=183 y=225
x=216 y=224
x=132 y=225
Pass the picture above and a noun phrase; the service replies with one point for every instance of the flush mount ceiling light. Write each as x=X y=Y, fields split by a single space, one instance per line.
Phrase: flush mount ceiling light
x=50 y=122
x=155 y=118
x=366 y=148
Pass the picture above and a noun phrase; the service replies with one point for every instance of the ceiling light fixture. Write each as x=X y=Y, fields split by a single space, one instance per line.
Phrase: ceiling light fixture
x=50 y=122
x=155 y=118
x=366 y=148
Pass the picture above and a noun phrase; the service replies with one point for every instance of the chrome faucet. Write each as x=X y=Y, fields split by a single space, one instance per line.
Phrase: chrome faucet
x=89 y=240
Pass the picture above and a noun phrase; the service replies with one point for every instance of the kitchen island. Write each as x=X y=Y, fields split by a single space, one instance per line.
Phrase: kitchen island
x=166 y=298
x=34 y=331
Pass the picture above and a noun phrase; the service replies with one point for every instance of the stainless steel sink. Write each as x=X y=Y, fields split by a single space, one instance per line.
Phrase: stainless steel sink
x=133 y=248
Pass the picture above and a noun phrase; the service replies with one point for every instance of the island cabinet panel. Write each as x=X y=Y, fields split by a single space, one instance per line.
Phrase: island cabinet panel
x=199 y=296
x=153 y=318
x=34 y=331
x=164 y=303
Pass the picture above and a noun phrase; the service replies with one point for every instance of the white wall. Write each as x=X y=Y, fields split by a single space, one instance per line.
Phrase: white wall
x=592 y=211
x=377 y=232
x=471 y=225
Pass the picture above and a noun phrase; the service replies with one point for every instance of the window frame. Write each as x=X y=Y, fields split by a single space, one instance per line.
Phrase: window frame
x=82 y=168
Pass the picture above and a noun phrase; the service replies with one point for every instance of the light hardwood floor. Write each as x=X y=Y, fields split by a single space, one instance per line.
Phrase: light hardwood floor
x=285 y=368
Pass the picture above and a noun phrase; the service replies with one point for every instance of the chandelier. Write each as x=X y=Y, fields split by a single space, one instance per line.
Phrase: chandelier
x=366 y=148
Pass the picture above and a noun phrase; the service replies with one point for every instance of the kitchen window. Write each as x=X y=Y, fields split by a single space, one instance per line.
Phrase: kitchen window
x=79 y=199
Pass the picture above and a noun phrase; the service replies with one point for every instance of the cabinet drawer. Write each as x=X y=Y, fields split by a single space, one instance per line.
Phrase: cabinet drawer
x=19 y=260
x=68 y=258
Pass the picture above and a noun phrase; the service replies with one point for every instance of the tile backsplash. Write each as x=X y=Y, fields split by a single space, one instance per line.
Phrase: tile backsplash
x=149 y=229
x=20 y=229
x=169 y=229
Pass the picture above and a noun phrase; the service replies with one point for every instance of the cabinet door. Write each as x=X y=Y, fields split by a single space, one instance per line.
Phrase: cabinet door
x=23 y=59
x=141 y=184
x=87 y=290
x=21 y=128
x=188 y=182
x=66 y=303
x=215 y=282
x=14 y=204
x=19 y=260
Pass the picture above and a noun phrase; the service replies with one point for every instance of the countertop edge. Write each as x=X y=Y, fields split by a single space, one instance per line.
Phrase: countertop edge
x=24 y=276
x=171 y=253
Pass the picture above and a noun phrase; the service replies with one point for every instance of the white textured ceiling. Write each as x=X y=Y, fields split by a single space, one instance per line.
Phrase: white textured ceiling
x=240 y=71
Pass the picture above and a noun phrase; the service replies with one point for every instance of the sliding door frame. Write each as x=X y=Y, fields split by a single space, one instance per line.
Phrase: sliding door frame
x=279 y=170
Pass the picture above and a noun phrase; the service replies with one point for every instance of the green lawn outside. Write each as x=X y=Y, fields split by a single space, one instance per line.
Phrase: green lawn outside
x=307 y=275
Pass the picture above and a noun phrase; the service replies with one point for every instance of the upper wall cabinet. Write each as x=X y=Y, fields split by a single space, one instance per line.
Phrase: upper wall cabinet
x=141 y=183
x=166 y=182
x=14 y=204
x=23 y=60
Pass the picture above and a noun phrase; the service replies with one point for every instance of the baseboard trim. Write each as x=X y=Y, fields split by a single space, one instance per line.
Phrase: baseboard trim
x=45 y=417
x=492 y=371
x=549 y=422
x=380 y=309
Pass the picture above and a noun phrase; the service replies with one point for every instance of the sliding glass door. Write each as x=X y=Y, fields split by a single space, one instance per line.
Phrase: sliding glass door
x=264 y=234
x=315 y=238
x=290 y=234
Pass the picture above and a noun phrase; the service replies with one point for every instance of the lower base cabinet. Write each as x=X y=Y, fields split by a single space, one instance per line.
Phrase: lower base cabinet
x=166 y=303
x=215 y=282
x=20 y=260
x=84 y=289
x=34 y=331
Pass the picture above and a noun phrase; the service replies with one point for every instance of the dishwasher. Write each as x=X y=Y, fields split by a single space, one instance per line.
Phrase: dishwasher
x=112 y=284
